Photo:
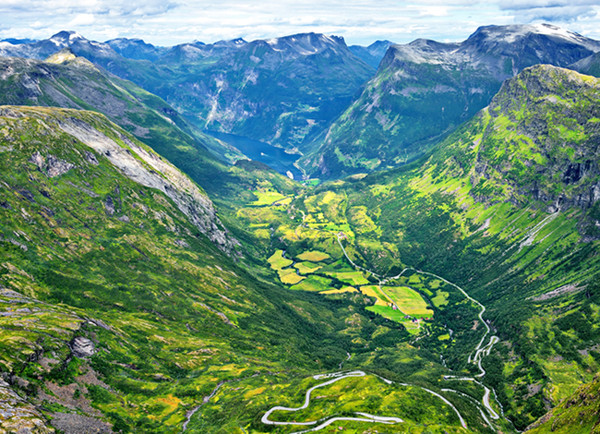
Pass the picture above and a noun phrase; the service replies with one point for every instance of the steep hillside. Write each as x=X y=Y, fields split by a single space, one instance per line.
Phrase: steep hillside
x=507 y=208
x=64 y=80
x=118 y=309
x=590 y=65
x=283 y=91
x=580 y=413
x=425 y=89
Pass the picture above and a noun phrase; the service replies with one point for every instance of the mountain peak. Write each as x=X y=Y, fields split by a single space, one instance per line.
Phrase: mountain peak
x=514 y=32
x=65 y=37
x=306 y=43
x=541 y=80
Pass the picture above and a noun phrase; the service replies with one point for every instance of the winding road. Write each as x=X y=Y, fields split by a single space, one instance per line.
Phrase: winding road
x=480 y=351
x=475 y=357
x=364 y=417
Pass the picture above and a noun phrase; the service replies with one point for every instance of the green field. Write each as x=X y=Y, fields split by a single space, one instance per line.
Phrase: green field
x=307 y=267
x=374 y=291
x=278 y=262
x=289 y=276
x=408 y=301
x=266 y=197
x=343 y=290
x=313 y=284
x=356 y=278
x=313 y=256
x=440 y=299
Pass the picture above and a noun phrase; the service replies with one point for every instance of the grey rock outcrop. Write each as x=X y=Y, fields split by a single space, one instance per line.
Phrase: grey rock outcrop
x=19 y=416
x=82 y=347
x=51 y=166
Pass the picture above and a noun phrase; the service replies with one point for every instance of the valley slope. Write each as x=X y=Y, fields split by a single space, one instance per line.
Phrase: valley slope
x=282 y=91
x=507 y=207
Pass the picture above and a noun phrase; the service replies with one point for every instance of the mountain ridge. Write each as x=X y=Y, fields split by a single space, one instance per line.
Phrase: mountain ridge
x=425 y=89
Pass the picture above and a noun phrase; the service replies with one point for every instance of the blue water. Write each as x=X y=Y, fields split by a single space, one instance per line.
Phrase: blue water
x=256 y=150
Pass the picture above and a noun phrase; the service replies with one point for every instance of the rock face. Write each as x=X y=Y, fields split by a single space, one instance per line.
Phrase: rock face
x=133 y=160
x=150 y=170
x=538 y=140
x=425 y=89
x=51 y=166
x=546 y=141
x=284 y=91
x=19 y=416
x=82 y=347
x=67 y=81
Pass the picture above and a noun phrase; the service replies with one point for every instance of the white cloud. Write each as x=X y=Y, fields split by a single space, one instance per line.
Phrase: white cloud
x=82 y=20
x=167 y=22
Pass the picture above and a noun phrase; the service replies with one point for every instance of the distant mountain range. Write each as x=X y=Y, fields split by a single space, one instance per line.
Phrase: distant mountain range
x=284 y=91
x=288 y=91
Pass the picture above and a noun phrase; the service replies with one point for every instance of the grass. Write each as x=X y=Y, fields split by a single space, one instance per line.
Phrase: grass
x=344 y=290
x=278 y=261
x=307 y=267
x=266 y=197
x=355 y=278
x=289 y=276
x=387 y=312
x=313 y=284
x=408 y=301
x=440 y=299
x=373 y=291
x=313 y=256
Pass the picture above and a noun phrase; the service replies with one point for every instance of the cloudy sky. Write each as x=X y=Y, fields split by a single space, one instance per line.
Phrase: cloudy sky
x=169 y=22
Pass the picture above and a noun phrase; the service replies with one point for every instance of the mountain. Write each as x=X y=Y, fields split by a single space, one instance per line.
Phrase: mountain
x=136 y=49
x=425 y=89
x=45 y=48
x=455 y=293
x=372 y=54
x=589 y=65
x=578 y=413
x=282 y=91
x=65 y=80
x=508 y=205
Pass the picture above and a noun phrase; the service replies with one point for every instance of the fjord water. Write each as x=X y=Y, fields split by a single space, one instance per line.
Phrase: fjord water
x=271 y=155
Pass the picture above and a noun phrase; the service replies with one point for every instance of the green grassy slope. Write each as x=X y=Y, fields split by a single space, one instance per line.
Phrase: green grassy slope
x=577 y=414
x=72 y=82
